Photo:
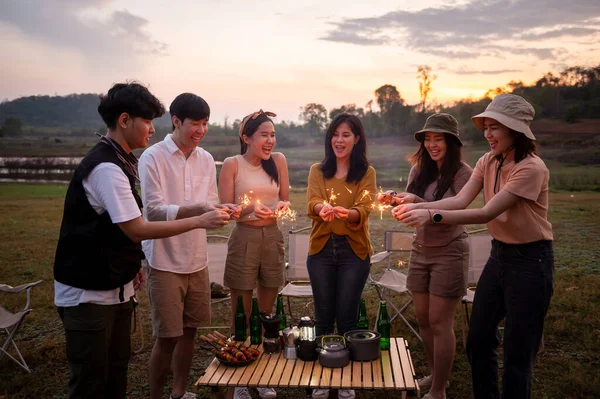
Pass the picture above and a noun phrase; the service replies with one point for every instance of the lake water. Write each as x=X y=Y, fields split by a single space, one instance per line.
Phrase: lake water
x=40 y=169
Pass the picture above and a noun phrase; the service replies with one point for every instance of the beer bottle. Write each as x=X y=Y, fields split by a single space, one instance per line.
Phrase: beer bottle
x=240 y=321
x=384 y=326
x=281 y=313
x=255 y=324
x=363 y=319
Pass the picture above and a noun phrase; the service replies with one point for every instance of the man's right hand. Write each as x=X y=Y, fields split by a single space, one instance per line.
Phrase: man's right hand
x=213 y=219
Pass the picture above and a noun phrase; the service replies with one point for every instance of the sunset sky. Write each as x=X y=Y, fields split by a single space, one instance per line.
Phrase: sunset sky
x=280 y=55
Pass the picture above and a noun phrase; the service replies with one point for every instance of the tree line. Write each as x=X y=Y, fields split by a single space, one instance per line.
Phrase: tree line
x=572 y=94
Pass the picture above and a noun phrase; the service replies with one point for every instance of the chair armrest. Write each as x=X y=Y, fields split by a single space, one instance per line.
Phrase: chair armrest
x=381 y=256
x=13 y=290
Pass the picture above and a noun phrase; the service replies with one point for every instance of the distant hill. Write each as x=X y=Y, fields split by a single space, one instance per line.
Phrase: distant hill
x=71 y=112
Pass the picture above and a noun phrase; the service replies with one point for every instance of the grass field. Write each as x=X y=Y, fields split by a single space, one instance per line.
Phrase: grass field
x=569 y=367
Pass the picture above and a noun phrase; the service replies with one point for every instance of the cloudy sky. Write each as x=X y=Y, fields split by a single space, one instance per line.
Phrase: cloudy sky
x=278 y=55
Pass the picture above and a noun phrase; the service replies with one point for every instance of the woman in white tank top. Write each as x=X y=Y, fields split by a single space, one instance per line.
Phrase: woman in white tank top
x=255 y=247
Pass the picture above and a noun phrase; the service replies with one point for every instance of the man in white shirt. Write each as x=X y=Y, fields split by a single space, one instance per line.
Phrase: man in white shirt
x=98 y=256
x=178 y=180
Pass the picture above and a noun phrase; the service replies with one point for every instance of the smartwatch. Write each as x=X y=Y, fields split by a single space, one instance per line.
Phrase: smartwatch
x=436 y=217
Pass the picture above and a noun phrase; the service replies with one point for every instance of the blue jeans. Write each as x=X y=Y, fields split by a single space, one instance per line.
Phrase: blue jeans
x=515 y=284
x=337 y=277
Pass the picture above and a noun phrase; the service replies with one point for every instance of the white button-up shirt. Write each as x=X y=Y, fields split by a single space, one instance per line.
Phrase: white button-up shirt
x=168 y=181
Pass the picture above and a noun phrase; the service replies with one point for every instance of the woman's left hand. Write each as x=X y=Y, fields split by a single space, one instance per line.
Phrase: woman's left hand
x=415 y=217
x=281 y=207
x=261 y=211
x=340 y=212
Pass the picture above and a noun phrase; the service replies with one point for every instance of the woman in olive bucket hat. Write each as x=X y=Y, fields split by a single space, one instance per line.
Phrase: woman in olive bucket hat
x=439 y=260
x=516 y=283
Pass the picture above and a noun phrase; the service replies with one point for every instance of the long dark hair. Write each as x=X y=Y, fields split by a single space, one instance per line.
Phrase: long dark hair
x=250 y=128
x=358 y=158
x=427 y=169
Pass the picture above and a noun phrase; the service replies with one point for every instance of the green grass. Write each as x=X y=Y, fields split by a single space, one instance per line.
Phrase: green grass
x=569 y=367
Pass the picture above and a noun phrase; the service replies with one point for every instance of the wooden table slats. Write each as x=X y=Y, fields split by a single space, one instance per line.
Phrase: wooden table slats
x=392 y=371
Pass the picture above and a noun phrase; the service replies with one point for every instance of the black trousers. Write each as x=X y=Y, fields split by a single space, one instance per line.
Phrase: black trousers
x=516 y=285
x=98 y=349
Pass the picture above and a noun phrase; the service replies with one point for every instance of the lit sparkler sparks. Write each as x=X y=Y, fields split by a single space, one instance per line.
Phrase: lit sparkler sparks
x=288 y=214
x=381 y=208
x=332 y=196
x=244 y=200
x=347 y=189
x=365 y=194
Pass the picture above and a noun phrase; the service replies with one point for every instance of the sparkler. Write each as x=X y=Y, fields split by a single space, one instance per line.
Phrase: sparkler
x=244 y=200
x=288 y=214
x=332 y=196
x=365 y=194
x=381 y=208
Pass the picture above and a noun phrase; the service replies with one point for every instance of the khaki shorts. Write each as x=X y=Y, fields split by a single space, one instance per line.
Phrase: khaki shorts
x=441 y=271
x=178 y=301
x=254 y=253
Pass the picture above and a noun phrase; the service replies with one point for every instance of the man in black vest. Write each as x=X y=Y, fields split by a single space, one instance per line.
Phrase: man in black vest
x=98 y=257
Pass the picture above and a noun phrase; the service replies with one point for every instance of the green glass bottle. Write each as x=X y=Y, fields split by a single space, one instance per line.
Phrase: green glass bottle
x=384 y=326
x=280 y=312
x=255 y=324
x=240 y=321
x=363 y=320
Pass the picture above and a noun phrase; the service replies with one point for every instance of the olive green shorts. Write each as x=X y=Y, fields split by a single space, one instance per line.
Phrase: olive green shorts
x=440 y=271
x=254 y=254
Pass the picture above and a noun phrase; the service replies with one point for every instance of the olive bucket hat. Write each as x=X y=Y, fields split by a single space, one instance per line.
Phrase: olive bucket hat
x=440 y=123
x=512 y=111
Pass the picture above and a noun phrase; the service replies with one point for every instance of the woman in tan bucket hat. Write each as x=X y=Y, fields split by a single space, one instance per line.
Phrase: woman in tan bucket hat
x=516 y=283
x=437 y=270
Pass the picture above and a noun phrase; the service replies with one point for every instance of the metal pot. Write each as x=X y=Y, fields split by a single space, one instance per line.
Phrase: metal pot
x=363 y=345
x=334 y=352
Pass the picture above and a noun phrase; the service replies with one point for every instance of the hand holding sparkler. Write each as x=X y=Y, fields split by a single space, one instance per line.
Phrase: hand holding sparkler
x=261 y=211
x=234 y=210
x=326 y=211
x=341 y=213
x=398 y=211
x=386 y=197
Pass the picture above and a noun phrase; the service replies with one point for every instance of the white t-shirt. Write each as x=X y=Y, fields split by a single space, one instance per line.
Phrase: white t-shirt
x=107 y=189
x=169 y=180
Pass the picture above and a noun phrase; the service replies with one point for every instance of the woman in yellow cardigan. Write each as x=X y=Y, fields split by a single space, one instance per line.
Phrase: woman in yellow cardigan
x=341 y=190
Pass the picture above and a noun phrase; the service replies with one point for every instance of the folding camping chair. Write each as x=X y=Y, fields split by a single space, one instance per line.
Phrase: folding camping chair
x=10 y=322
x=296 y=273
x=394 y=280
x=217 y=255
x=480 y=246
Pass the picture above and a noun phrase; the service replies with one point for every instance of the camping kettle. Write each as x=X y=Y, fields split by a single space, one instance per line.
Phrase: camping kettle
x=334 y=352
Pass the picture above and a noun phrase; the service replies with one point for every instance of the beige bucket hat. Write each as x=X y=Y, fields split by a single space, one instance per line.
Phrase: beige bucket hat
x=510 y=110
x=440 y=123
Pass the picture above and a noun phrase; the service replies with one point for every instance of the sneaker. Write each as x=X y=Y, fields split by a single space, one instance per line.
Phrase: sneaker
x=266 y=393
x=425 y=382
x=320 y=393
x=346 y=394
x=241 y=393
x=187 y=395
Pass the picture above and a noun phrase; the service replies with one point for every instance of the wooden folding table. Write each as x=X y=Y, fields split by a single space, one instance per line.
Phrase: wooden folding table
x=393 y=371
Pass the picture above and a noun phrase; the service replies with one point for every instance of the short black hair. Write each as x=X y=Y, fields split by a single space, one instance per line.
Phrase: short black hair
x=189 y=105
x=132 y=98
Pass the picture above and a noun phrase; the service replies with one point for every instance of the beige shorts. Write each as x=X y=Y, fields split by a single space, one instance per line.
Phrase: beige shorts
x=441 y=271
x=254 y=253
x=178 y=301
